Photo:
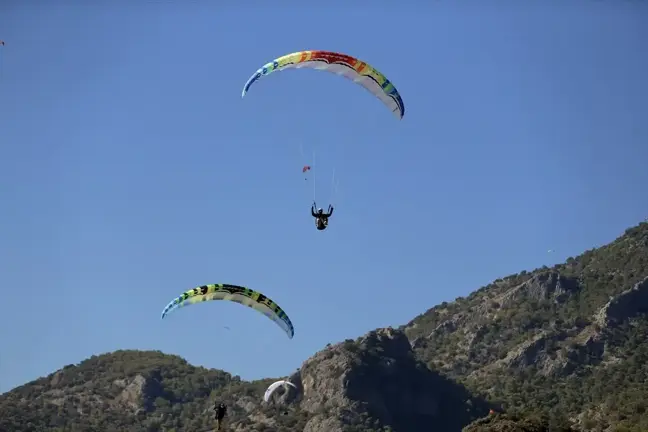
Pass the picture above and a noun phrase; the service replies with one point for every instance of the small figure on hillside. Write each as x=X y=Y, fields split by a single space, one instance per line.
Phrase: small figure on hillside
x=220 y=411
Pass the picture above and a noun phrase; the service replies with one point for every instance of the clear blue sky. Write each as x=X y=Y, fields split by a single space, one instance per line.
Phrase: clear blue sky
x=131 y=169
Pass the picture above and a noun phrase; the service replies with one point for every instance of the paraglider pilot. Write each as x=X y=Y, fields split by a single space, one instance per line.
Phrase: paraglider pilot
x=220 y=410
x=321 y=218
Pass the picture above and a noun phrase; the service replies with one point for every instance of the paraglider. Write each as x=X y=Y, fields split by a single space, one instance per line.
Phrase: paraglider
x=321 y=218
x=305 y=170
x=347 y=66
x=237 y=294
x=340 y=64
x=274 y=386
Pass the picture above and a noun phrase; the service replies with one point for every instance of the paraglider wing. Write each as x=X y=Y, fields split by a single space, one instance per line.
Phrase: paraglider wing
x=237 y=294
x=340 y=64
x=275 y=386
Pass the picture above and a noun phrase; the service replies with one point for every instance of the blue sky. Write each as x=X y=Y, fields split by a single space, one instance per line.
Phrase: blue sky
x=132 y=170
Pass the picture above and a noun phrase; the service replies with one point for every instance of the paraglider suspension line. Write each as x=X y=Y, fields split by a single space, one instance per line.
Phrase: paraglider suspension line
x=314 y=173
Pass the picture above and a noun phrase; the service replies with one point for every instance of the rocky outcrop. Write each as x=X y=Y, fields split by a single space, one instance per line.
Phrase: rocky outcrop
x=527 y=353
x=542 y=286
x=628 y=304
x=139 y=393
x=377 y=380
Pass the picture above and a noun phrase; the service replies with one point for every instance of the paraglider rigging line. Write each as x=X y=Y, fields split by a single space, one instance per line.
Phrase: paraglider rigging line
x=314 y=171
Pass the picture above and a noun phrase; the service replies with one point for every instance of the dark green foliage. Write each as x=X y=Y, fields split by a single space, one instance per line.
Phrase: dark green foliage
x=512 y=423
x=174 y=396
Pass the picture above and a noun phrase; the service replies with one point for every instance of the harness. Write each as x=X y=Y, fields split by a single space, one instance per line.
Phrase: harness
x=321 y=221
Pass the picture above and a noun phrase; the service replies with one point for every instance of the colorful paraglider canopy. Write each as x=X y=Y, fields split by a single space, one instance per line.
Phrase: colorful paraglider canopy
x=306 y=168
x=237 y=294
x=340 y=64
x=274 y=386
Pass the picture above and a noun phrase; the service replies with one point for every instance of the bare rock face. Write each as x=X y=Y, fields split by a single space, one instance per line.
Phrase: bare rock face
x=527 y=353
x=133 y=392
x=628 y=304
x=139 y=393
x=375 y=381
x=543 y=286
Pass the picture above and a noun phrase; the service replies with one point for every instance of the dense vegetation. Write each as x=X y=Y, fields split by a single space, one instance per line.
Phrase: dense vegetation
x=107 y=393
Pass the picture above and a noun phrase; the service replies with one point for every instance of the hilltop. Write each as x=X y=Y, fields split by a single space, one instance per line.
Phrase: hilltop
x=358 y=385
x=549 y=349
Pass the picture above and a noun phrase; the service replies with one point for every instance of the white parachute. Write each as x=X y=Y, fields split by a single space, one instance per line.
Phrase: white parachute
x=274 y=386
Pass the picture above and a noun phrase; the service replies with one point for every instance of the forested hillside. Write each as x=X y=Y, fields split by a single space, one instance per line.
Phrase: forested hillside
x=552 y=349
x=568 y=342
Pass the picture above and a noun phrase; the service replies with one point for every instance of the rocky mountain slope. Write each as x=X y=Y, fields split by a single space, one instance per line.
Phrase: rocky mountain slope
x=552 y=348
x=371 y=384
x=570 y=342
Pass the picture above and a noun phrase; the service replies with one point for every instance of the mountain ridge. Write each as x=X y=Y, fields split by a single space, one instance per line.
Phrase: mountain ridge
x=555 y=348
